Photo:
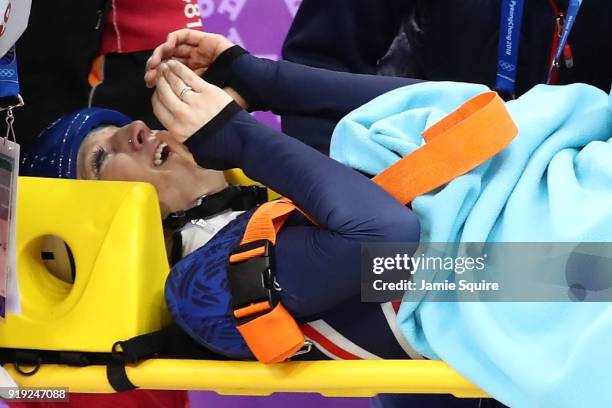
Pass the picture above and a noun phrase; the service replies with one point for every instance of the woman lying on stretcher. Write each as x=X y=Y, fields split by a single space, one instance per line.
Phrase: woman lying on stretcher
x=316 y=267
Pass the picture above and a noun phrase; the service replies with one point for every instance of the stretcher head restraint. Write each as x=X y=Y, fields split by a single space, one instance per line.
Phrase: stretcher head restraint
x=460 y=142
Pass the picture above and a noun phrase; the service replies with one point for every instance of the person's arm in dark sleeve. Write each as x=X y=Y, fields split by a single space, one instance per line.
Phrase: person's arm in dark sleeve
x=285 y=87
x=343 y=35
x=317 y=266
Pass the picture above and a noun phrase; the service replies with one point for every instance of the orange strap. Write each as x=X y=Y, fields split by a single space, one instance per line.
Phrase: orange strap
x=264 y=224
x=460 y=142
x=463 y=140
x=274 y=336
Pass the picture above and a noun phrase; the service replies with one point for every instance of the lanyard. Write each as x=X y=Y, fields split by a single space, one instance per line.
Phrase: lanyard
x=9 y=171
x=509 y=39
x=9 y=81
x=572 y=12
x=9 y=89
x=508 y=46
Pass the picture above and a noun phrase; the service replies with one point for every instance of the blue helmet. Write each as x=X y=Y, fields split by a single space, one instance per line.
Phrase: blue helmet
x=54 y=152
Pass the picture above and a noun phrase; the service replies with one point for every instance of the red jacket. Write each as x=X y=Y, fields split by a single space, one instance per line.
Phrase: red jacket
x=136 y=25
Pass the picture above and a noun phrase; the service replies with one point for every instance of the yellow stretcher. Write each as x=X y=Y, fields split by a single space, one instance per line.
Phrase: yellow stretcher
x=114 y=232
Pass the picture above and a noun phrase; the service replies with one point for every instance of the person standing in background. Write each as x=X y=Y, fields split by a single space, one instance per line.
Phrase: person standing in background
x=131 y=30
x=445 y=40
x=92 y=53
x=54 y=58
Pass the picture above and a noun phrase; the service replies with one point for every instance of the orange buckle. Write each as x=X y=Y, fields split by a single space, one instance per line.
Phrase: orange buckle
x=251 y=278
x=269 y=330
x=274 y=336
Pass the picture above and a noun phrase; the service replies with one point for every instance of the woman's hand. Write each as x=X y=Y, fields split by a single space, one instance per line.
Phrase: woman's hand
x=196 y=49
x=183 y=102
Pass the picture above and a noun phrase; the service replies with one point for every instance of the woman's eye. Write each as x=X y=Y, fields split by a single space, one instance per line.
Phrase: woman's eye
x=97 y=159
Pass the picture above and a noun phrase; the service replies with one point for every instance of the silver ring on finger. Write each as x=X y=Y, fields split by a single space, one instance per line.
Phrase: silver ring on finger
x=184 y=91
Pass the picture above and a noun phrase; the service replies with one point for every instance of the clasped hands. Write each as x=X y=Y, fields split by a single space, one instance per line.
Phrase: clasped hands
x=183 y=102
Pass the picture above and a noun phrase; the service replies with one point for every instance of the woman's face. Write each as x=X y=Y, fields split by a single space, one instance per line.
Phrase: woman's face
x=136 y=153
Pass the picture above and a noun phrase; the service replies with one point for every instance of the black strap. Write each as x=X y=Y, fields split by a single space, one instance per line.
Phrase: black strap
x=139 y=347
x=219 y=73
x=169 y=342
x=29 y=358
x=117 y=377
x=236 y=198
x=74 y=358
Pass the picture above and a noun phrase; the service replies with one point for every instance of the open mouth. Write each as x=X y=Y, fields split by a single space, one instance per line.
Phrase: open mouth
x=161 y=154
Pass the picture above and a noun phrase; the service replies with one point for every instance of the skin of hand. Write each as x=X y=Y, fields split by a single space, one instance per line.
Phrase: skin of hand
x=195 y=49
x=185 y=112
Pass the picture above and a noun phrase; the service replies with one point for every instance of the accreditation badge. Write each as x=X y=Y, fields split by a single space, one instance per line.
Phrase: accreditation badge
x=9 y=170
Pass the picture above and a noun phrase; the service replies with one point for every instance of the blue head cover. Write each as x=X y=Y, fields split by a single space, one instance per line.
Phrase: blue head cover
x=54 y=153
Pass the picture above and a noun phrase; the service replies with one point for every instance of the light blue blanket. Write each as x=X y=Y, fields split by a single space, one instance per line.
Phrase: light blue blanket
x=552 y=184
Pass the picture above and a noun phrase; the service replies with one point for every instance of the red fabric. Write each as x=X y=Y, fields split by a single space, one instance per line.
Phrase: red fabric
x=322 y=341
x=554 y=78
x=128 y=399
x=138 y=25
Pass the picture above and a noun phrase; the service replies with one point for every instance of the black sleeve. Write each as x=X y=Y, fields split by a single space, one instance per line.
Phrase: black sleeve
x=343 y=35
x=348 y=207
x=284 y=87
